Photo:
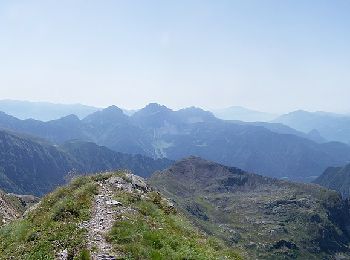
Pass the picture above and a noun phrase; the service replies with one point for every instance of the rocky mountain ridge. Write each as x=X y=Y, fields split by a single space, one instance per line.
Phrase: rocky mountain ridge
x=269 y=218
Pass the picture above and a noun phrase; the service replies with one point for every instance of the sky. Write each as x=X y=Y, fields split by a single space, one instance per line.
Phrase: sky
x=268 y=55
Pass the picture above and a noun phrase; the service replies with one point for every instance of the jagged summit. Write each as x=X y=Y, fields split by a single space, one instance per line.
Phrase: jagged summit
x=151 y=109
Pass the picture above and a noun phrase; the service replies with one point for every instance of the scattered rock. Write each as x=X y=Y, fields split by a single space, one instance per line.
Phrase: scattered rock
x=284 y=244
x=63 y=255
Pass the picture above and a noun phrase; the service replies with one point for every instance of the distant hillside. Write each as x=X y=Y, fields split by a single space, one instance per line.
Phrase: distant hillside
x=284 y=129
x=44 y=111
x=271 y=219
x=243 y=114
x=159 y=132
x=30 y=166
x=336 y=178
x=109 y=216
x=332 y=127
x=13 y=206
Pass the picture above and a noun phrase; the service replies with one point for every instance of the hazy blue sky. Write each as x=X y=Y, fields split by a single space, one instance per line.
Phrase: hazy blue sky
x=268 y=55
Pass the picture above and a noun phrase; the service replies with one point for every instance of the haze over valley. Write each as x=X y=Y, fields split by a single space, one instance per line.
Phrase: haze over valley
x=156 y=130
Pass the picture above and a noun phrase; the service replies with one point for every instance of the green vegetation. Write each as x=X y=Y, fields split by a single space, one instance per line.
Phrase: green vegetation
x=155 y=231
x=52 y=226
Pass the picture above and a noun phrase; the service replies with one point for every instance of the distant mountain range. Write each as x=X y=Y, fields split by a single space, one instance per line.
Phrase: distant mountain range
x=270 y=218
x=332 y=127
x=159 y=132
x=33 y=166
x=44 y=111
x=284 y=129
x=243 y=114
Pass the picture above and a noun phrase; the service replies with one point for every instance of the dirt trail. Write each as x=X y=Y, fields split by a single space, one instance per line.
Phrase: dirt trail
x=104 y=212
x=101 y=222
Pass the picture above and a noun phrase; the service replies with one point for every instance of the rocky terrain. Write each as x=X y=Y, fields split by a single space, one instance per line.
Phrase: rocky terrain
x=269 y=218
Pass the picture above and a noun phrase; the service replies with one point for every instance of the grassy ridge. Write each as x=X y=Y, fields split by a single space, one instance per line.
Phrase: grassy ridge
x=149 y=229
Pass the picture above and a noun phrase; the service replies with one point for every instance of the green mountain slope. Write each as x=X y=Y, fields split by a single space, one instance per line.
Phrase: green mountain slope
x=109 y=216
x=271 y=219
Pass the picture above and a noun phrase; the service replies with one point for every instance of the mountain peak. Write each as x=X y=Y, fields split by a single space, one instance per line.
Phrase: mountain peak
x=202 y=171
x=196 y=114
x=69 y=118
x=151 y=110
x=112 y=109
x=155 y=107
x=111 y=113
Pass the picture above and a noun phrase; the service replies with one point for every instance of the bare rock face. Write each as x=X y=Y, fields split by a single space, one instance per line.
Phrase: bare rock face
x=138 y=183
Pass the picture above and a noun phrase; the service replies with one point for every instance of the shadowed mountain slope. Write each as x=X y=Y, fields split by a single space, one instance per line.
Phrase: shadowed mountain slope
x=31 y=166
x=336 y=178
